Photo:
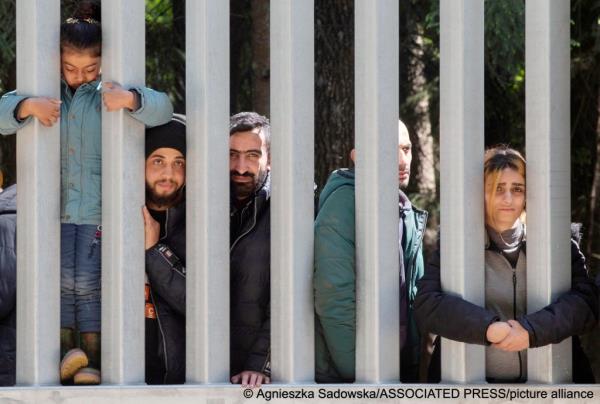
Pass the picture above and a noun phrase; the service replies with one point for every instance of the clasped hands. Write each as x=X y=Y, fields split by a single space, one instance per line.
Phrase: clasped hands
x=508 y=336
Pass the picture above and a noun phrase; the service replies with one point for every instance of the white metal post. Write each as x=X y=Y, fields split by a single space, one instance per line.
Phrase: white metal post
x=123 y=61
x=292 y=205
x=547 y=65
x=376 y=128
x=38 y=198
x=207 y=85
x=462 y=147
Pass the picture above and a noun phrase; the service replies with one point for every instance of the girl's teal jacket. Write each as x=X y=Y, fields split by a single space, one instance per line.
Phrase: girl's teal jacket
x=81 y=142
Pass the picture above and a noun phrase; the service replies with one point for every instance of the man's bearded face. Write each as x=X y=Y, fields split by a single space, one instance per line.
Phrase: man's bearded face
x=248 y=162
x=165 y=178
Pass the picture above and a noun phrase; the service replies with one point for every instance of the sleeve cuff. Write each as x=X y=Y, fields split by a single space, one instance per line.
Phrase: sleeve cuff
x=137 y=91
x=16 y=112
x=527 y=325
x=485 y=340
x=9 y=108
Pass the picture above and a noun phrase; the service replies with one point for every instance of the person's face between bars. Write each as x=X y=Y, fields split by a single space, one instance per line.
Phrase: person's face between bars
x=248 y=162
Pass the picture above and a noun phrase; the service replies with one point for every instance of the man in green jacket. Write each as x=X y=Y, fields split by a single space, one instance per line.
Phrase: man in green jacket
x=335 y=273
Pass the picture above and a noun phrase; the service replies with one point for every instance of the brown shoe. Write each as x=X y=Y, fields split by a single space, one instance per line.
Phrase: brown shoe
x=74 y=360
x=87 y=376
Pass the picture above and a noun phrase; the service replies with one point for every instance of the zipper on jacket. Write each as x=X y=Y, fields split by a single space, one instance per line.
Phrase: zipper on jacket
x=419 y=243
x=164 y=342
x=514 y=281
x=247 y=231
x=166 y=225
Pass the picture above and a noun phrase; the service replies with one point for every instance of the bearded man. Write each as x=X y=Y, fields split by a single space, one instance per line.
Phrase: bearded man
x=164 y=225
x=250 y=248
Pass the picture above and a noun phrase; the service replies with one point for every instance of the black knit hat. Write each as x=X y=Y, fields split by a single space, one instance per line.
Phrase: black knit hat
x=171 y=135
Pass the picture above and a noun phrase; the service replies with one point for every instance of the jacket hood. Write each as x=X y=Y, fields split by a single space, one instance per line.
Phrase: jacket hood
x=8 y=198
x=337 y=179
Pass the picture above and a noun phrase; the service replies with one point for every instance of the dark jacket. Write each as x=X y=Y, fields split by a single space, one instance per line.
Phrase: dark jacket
x=335 y=281
x=250 y=295
x=8 y=285
x=574 y=312
x=165 y=267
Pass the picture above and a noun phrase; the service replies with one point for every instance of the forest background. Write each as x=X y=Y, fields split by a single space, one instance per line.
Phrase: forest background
x=419 y=90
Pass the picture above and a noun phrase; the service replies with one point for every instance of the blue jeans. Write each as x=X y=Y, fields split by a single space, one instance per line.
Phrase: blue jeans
x=80 y=277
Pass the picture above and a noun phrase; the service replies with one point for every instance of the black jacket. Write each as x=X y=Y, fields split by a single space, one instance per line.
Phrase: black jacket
x=574 y=312
x=165 y=337
x=250 y=296
x=8 y=285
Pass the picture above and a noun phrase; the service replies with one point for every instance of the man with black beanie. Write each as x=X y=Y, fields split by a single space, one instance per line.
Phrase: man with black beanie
x=164 y=225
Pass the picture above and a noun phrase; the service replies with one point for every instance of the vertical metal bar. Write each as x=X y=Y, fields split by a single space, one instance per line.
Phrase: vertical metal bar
x=292 y=205
x=38 y=198
x=462 y=147
x=123 y=58
x=207 y=82
x=376 y=127
x=548 y=117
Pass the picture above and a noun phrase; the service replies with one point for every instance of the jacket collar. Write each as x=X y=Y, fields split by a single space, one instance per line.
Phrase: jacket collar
x=490 y=246
x=260 y=197
x=173 y=217
x=263 y=195
x=92 y=85
x=403 y=201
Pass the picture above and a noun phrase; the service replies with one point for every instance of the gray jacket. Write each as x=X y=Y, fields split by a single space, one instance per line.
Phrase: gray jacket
x=505 y=295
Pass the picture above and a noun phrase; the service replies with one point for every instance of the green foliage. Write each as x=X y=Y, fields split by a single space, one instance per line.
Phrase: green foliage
x=241 y=72
x=165 y=49
x=505 y=72
x=7 y=44
x=585 y=101
x=505 y=38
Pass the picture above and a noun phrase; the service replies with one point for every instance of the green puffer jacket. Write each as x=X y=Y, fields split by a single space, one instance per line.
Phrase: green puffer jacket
x=335 y=282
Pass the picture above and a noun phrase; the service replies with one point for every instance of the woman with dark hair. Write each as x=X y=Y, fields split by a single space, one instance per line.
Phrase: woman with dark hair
x=504 y=325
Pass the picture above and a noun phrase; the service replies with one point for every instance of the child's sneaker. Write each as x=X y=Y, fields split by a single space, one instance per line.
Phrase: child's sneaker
x=74 y=360
x=87 y=376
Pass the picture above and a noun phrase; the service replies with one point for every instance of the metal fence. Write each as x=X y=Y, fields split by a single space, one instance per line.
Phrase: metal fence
x=292 y=116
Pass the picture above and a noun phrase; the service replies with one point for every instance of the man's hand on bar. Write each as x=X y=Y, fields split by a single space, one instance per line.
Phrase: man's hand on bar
x=250 y=378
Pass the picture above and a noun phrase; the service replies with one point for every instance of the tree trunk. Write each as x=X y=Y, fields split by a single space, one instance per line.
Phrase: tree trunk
x=425 y=173
x=239 y=56
x=179 y=68
x=334 y=86
x=595 y=192
x=416 y=115
x=260 y=56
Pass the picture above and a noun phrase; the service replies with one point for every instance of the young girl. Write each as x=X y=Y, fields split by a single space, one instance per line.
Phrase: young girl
x=504 y=323
x=79 y=111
